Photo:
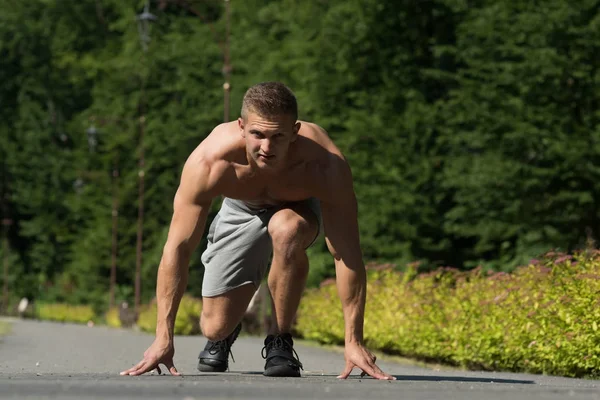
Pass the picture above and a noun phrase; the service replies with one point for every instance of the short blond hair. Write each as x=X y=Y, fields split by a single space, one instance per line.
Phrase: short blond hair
x=270 y=99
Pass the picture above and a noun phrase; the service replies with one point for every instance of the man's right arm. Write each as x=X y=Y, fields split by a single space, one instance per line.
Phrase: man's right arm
x=191 y=206
x=199 y=181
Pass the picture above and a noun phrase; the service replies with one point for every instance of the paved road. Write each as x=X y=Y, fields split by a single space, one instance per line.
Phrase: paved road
x=48 y=360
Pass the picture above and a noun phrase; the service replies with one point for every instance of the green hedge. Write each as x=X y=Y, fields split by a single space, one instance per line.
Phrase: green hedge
x=65 y=313
x=543 y=318
x=112 y=317
x=187 y=321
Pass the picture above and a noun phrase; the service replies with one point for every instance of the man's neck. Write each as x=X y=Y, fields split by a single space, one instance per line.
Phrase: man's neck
x=264 y=173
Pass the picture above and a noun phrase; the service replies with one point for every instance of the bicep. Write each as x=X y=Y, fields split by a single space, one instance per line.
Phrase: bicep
x=341 y=232
x=190 y=207
x=187 y=224
x=340 y=218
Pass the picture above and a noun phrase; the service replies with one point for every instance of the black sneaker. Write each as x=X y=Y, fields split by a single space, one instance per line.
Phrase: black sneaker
x=215 y=356
x=281 y=358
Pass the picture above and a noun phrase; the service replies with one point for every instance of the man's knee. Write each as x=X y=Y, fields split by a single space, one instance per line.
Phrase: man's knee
x=290 y=231
x=221 y=314
x=213 y=327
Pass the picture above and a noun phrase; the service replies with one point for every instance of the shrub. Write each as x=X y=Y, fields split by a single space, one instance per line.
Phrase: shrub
x=112 y=317
x=543 y=318
x=64 y=312
x=147 y=319
x=186 y=322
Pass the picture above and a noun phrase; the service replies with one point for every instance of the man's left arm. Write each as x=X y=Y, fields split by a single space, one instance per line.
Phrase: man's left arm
x=340 y=219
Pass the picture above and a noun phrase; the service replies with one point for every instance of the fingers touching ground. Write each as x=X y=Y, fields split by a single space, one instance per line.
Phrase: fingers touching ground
x=172 y=368
x=347 y=371
x=368 y=367
x=145 y=366
x=377 y=373
x=159 y=352
x=138 y=369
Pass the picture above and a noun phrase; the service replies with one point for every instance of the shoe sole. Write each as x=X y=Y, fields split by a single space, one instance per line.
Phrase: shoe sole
x=210 y=368
x=219 y=368
x=282 y=371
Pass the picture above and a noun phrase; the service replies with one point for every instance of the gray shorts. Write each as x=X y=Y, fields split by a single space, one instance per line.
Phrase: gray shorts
x=239 y=245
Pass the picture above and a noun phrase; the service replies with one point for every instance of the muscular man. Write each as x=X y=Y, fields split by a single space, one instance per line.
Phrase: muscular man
x=281 y=180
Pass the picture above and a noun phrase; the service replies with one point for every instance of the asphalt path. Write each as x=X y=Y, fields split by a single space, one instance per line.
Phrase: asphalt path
x=45 y=360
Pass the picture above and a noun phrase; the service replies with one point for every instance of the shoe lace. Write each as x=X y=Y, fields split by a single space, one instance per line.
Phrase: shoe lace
x=278 y=343
x=221 y=346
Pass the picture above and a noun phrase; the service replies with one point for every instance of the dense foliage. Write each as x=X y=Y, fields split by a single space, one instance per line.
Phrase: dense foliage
x=186 y=322
x=542 y=318
x=65 y=313
x=471 y=126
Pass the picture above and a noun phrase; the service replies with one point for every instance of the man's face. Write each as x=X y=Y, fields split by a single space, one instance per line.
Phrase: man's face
x=268 y=139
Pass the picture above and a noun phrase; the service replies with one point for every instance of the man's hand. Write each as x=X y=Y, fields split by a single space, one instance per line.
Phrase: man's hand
x=358 y=356
x=160 y=352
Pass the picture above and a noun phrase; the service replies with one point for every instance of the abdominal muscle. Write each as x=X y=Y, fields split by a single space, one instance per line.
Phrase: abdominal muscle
x=266 y=201
x=259 y=198
x=256 y=193
x=261 y=204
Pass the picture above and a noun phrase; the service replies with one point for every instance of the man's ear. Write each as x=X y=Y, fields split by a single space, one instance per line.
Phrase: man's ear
x=296 y=130
x=241 y=126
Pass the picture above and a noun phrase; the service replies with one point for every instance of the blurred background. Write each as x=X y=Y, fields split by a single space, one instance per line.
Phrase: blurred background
x=471 y=127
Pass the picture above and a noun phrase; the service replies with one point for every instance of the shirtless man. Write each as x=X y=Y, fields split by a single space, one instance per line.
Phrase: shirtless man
x=281 y=179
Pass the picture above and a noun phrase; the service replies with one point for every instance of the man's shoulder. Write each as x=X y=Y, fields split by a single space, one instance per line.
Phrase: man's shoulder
x=222 y=143
x=317 y=145
x=221 y=146
x=323 y=160
x=213 y=157
x=312 y=130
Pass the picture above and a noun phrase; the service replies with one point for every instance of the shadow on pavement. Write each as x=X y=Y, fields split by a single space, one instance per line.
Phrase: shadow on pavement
x=422 y=378
x=418 y=378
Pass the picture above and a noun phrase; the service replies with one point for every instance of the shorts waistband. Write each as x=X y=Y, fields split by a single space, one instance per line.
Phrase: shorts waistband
x=240 y=205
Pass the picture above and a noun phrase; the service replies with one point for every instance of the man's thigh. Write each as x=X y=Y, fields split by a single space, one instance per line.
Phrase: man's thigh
x=239 y=246
x=226 y=310
x=238 y=250
x=305 y=214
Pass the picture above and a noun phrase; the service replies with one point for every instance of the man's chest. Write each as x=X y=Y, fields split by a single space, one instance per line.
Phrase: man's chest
x=295 y=184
